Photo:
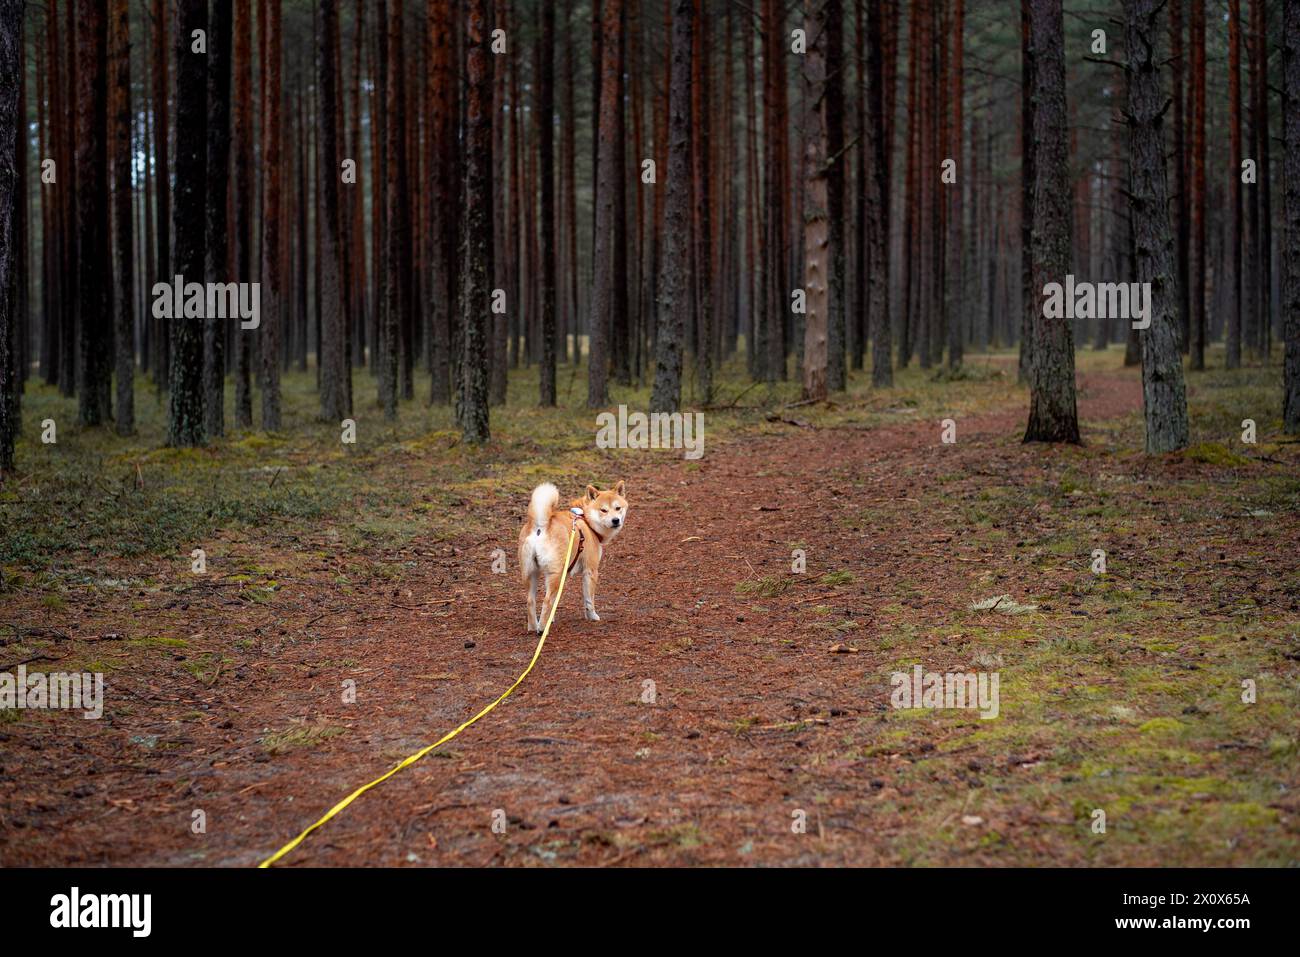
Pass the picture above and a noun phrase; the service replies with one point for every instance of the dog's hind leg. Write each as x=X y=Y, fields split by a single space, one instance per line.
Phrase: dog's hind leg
x=552 y=586
x=534 y=623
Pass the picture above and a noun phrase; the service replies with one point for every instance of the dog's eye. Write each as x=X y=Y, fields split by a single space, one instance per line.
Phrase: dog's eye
x=604 y=510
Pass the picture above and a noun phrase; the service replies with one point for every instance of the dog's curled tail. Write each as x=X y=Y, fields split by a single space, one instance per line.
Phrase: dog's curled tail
x=545 y=497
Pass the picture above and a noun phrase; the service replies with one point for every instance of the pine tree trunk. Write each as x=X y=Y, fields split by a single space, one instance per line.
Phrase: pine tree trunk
x=185 y=426
x=816 y=225
x=609 y=180
x=1291 y=214
x=220 y=56
x=1233 y=333
x=476 y=269
x=702 y=275
x=1197 y=272
x=443 y=202
x=1053 y=416
x=333 y=360
x=876 y=149
x=244 y=192
x=674 y=300
x=954 y=271
x=546 y=148
x=123 y=158
x=11 y=108
x=1181 y=204
x=94 y=282
x=162 y=184
x=272 y=276
x=1164 y=401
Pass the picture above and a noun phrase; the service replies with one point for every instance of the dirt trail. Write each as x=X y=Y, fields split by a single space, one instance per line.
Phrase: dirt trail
x=746 y=727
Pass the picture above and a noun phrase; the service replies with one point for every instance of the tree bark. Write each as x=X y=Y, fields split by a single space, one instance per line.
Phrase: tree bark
x=270 y=331
x=1197 y=269
x=1164 y=400
x=546 y=148
x=816 y=225
x=1053 y=415
x=333 y=336
x=1291 y=214
x=476 y=270
x=11 y=107
x=609 y=179
x=674 y=302
x=220 y=55
x=244 y=194
x=185 y=425
x=876 y=150
x=94 y=283
x=123 y=158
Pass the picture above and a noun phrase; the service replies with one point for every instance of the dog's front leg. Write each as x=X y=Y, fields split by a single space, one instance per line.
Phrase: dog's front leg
x=589 y=578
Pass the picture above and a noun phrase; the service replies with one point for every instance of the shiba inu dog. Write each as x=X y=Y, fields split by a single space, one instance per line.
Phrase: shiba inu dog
x=599 y=517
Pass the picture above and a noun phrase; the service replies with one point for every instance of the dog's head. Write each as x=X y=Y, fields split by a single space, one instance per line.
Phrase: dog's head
x=605 y=512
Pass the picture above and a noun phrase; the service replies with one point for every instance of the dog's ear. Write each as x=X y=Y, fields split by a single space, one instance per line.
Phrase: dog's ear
x=618 y=489
x=592 y=491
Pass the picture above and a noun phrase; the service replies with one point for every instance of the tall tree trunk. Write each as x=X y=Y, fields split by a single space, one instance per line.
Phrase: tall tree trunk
x=1265 y=237
x=1181 y=204
x=476 y=270
x=244 y=194
x=443 y=201
x=545 y=82
x=1291 y=214
x=272 y=277
x=1164 y=401
x=1053 y=415
x=609 y=179
x=700 y=174
x=876 y=149
x=954 y=270
x=1197 y=272
x=185 y=407
x=11 y=119
x=1029 y=304
x=674 y=299
x=837 y=163
x=332 y=357
x=776 y=303
x=1233 y=333
x=123 y=158
x=163 y=185
x=220 y=56
x=816 y=225
x=94 y=282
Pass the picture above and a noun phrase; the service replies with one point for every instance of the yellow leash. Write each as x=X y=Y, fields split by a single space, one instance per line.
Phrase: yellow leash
x=407 y=762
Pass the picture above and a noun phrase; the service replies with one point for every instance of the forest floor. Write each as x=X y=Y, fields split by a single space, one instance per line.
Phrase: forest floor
x=372 y=563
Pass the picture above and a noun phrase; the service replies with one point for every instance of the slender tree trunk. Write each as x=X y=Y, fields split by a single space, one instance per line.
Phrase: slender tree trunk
x=674 y=300
x=443 y=200
x=1181 y=204
x=243 y=200
x=220 y=55
x=333 y=360
x=163 y=185
x=1291 y=214
x=1053 y=415
x=704 y=240
x=12 y=108
x=1233 y=333
x=472 y=409
x=272 y=314
x=1164 y=401
x=1265 y=238
x=185 y=407
x=94 y=278
x=1197 y=273
x=546 y=147
x=876 y=149
x=954 y=271
x=816 y=226
x=609 y=180
x=1029 y=304
x=123 y=311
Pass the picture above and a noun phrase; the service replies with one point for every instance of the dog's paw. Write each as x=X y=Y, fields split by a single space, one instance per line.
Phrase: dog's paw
x=591 y=614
